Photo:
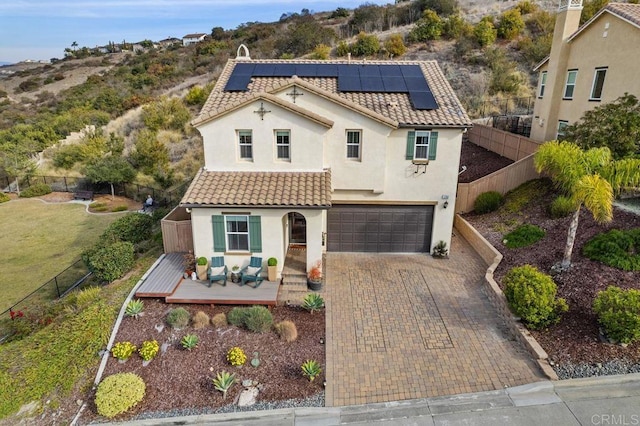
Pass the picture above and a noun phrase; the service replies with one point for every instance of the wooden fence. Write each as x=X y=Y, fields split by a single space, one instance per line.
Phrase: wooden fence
x=177 y=236
x=512 y=146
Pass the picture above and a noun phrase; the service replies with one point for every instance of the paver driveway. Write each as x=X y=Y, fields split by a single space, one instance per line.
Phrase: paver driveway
x=410 y=326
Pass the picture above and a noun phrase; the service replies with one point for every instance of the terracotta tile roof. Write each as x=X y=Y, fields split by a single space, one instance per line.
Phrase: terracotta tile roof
x=627 y=11
x=263 y=189
x=195 y=35
x=394 y=108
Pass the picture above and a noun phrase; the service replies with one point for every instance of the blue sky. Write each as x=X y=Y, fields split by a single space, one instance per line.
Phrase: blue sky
x=41 y=29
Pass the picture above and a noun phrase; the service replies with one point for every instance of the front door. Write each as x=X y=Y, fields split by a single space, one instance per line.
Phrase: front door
x=297 y=229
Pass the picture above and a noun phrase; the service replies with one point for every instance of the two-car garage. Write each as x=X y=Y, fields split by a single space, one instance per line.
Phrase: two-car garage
x=379 y=228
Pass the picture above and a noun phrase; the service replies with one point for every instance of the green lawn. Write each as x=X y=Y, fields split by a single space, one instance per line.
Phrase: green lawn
x=39 y=241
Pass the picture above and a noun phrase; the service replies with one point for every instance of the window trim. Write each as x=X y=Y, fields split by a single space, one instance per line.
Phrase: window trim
x=573 y=85
x=227 y=233
x=543 y=84
x=593 y=84
x=240 y=134
x=352 y=144
x=415 y=144
x=561 y=122
x=279 y=145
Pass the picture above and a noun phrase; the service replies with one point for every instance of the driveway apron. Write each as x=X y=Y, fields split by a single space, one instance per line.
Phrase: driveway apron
x=410 y=326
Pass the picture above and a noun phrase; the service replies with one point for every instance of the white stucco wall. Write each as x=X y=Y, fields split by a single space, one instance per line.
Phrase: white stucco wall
x=274 y=224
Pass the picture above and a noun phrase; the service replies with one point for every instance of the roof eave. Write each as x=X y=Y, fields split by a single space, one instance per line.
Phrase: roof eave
x=255 y=206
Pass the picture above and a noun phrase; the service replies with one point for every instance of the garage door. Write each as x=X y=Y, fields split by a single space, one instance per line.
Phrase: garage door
x=385 y=229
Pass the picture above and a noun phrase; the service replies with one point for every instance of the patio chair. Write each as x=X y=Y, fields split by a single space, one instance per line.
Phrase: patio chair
x=217 y=271
x=252 y=272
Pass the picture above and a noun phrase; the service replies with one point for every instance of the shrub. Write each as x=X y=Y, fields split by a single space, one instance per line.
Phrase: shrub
x=36 y=190
x=236 y=316
x=123 y=350
x=236 y=356
x=366 y=45
x=149 y=349
x=427 y=28
x=440 y=249
x=178 y=318
x=287 y=330
x=313 y=302
x=561 y=207
x=4 y=197
x=531 y=295
x=200 y=320
x=272 y=261
x=525 y=7
x=110 y=262
x=197 y=95
x=510 y=24
x=619 y=313
x=219 y=320
x=484 y=33
x=86 y=296
x=190 y=341
x=395 y=46
x=321 y=51
x=311 y=369
x=488 y=202
x=343 y=48
x=202 y=261
x=134 y=308
x=258 y=319
x=523 y=235
x=616 y=248
x=134 y=228
x=223 y=382
x=121 y=208
x=455 y=26
x=118 y=393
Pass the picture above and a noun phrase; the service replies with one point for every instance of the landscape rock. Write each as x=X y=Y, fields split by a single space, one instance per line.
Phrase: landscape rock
x=248 y=397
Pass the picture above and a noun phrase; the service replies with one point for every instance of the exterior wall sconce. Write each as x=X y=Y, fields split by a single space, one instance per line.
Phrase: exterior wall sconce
x=445 y=204
x=445 y=197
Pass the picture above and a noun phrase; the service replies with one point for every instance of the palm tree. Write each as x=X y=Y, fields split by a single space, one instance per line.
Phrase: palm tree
x=590 y=178
x=74 y=45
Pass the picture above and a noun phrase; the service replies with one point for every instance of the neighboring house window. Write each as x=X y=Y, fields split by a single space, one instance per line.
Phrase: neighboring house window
x=353 y=144
x=562 y=126
x=246 y=149
x=237 y=233
x=283 y=145
x=237 y=230
x=570 y=87
x=422 y=145
x=598 y=83
x=543 y=83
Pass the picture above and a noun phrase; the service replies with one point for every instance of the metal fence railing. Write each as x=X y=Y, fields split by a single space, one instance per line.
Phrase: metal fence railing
x=507 y=106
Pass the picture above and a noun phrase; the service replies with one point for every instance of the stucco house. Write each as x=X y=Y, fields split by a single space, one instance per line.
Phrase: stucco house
x=589 y=65
x=335 y=155
x=193 y=38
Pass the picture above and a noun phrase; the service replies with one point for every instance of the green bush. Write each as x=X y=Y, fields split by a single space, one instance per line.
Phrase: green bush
x=510 y=24
x=531 y=295
x=4 y=197
x=36 y=190
x=121 y=208
x=178 y=318
x=619 y=313
x=616 y=248
x=110 y=262
x=395 y=46
x=561 y=207
x=134 y=228
x=118 y=393
x=427 y=28
x=236 y=316
x=366 y=45
x=484 y=33
x=258 y=319
x=523 y=235
x=488 y=202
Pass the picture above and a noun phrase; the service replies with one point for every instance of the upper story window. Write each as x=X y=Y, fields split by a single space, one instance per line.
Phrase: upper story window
x=237 y=233
x=354 y=142
x=421 y=151
x=421 y=145
x=543 y=83
x=570 y=86
x=562 y=126
x=598 y=83
x=283 y=145
x=245 y=144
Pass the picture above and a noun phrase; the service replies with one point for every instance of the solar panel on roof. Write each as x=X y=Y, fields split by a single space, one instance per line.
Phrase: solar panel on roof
x=327 y=70
x=390 y=71
x=370 y=71
x=411 y=71
x=416 y=84
x=348 y=70
x=423 y=100
x=349 y=84
x=237 y=83
x=306 y=70
x=263 y=70
x=284 y=70
x=372 y=84
x=394 y=85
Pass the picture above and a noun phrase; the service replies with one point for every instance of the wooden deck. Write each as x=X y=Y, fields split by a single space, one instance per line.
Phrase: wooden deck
x=166 y=280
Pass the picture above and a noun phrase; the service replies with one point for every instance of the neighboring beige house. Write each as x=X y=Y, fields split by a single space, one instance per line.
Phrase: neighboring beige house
x=193 y=38
x=588 y=66
x=337 y=155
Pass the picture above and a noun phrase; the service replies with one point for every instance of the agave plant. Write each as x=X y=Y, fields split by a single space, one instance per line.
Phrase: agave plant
x=223 y=382
x=311 y=369
x=190 y=341
x=134 y=308
x=313 y=302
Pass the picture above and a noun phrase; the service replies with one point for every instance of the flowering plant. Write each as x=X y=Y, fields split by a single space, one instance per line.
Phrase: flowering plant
x=315 y=273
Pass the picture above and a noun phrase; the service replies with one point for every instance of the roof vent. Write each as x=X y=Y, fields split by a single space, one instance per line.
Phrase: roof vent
x=392 y=104
x=243 y=52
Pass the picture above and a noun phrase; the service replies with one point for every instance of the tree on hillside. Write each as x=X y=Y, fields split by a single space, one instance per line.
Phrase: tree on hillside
x=365 y=45
x=394 y=45
x=74 y=45
x=510 y=24
x=303 y=36
x=485 y=33
x=427 y=28
x=441 y=7
x=615 y=125
x=589 y=178
x=111 y=170
x=18 y=159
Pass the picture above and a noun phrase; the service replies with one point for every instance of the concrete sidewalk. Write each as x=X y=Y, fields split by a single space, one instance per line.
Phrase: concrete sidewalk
x=612 y=400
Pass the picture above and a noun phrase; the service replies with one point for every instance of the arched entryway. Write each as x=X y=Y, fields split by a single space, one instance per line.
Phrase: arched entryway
x=297 y=229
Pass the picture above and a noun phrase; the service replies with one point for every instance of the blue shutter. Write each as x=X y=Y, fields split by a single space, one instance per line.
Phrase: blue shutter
x=411 y=137
x=219 y=243
x=433 y=145
x=255 y=234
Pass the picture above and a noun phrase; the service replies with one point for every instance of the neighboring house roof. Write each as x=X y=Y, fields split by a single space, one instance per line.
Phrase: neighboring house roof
x=196 y=35
x=262 y=189
x=628 y=12
x=393 y=109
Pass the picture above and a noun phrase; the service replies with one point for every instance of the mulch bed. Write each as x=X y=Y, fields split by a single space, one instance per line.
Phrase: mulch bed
x=576 y=339
x=182 y=380
x=480 y=162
